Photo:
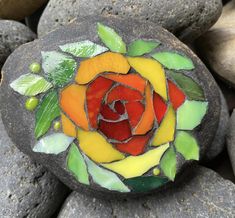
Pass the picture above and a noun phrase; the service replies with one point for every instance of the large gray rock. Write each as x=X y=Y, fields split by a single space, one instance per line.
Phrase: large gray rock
x=205 y=194
x=12 y=35
x=26 y=189
x=187 y=19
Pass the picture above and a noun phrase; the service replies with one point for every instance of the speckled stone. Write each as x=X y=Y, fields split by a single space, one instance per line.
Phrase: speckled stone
x=185 y=18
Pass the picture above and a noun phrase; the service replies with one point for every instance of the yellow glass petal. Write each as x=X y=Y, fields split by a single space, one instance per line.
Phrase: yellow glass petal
x=134 y=166
x=152 y=71
x=68 y=126
x=165 y=132
x=95 y=146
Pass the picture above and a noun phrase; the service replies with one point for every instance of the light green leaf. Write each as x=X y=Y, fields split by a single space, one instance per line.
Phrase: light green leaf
x=189 y=87
x=190 y=114
x=53 y=144
x=30 y=85
x=58 y=67
x=187 y=145
x=111 y=39
x=168 y=163
x=174 y=61
x=77 y=165
x=105 y=178
x=83 y=49
x=47 y=111
x=140 y=47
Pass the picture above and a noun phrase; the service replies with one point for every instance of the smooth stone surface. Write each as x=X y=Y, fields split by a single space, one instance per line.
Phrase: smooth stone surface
x=206 y=194
x=12 y=35
x=217 y=46
x=185 y=18
x=18 y=9
x=231 y=140
x=26 y=188
x=129 y=29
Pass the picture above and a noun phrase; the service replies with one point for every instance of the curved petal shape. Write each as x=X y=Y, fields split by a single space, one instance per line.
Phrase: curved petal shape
x=160 y=107
x=68 y=127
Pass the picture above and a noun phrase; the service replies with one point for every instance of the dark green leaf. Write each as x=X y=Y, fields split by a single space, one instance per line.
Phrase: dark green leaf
x=47 y=111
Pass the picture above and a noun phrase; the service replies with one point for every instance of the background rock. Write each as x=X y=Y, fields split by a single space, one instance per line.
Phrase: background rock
x=18 y=9
x=206 y=194
x=26 y=189
x=185 y=18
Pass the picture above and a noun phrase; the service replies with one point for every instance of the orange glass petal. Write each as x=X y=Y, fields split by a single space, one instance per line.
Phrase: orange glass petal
x=160 y=107
x=68 y=127
x=106 y=62
x=72 y=102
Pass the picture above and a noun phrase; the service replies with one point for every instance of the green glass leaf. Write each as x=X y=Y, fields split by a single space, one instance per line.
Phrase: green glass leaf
x=187 y=145
x=53 y=144
x=111 y=39
x=30 y=85
x=105 y=178
x=189 y=87
x=140 y=47
x=145 y=183
x=190 y=114
x=174 y=61
x=168 y=163
x=58 y=67
x=48 y=110
x=83 y=49
x=77 y=165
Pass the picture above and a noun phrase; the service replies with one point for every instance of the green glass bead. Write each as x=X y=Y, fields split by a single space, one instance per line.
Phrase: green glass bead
x=57 y=125
x=31 y=103
x=35 y=67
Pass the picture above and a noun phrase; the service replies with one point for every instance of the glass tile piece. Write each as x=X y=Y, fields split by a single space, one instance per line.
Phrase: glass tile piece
x=30 y=85
x=72 y=102
x=135 y=146
x=57 y=125
x=160 y=107
x=95 y=94
x=47 y=111
x=76 y=165
x=135 y=111
x=95 y=146
x=123 y=93
x=111 y=38
x=132 y=80
x=53 y=144
x=68 y=127
x=168 y=163
x=116 y=130
x=108 y=113
x=188 y=86
x=190 y=114
x=165 y=132
x=106 y=62
x=176 y=96
x=156 y=171
x=105 y=178
x=134 y=166
x=140 y=47
x=83 y=49
x=58 y=67
x=147 y=119
x=187 y=145
x=31 y=103
x=35 y=67
x=174 y=61
x=152 y=71
x=145 y=183
x=119 y=107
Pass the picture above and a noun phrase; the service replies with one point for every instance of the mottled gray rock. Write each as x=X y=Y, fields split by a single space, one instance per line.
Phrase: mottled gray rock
x=231 y=140
x=12 y=35
x=206 y=194
x=187 y=19
x=26 y=188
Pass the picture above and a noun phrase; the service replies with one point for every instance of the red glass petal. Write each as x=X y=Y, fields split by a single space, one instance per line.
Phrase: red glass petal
x=135 y=111
x=135 y=146
x=95 y=93
x=177 y=97
x=123 y=93
x=116 y=130
x=108 y=113
x=160 y=107
x=119 y=107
